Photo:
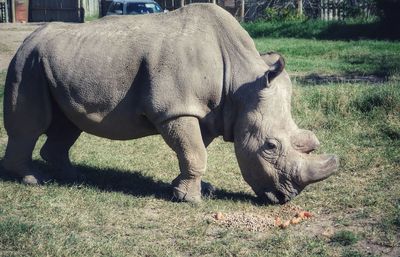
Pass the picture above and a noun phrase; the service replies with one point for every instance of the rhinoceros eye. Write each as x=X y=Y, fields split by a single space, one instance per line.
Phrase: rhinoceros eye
x=270 y=150
x=271 y=146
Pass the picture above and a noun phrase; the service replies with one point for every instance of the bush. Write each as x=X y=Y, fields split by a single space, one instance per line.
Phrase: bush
x=281 y=14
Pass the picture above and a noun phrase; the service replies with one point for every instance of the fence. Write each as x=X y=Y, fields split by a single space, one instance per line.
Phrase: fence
x=4 y=11
x=322 y=9
x=341 y=9
x=61 y=10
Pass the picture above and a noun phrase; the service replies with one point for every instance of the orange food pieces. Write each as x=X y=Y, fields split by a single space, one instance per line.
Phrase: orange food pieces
x=307 y=214
x=295 y=220
x=218 y=216
x=285 y=224
x=304 y=215
x=278 y=222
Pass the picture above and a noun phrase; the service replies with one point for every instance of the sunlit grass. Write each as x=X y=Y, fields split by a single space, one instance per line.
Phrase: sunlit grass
x=123 y=209
x=365 y=57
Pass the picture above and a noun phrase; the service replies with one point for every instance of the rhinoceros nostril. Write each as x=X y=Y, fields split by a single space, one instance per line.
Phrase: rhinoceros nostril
x=310 y=151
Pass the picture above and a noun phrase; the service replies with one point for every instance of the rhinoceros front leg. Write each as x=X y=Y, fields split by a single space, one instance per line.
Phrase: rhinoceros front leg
x=183 y=135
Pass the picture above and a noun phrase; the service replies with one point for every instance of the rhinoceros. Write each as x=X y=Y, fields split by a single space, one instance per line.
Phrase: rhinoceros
x=191 y=75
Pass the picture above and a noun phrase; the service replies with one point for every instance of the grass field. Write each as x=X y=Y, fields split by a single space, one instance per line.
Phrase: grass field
x=122 y=206
x=351 y=29
x=344 y=58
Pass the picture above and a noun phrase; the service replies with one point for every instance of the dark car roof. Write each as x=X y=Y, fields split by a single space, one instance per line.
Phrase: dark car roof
x=134 y=1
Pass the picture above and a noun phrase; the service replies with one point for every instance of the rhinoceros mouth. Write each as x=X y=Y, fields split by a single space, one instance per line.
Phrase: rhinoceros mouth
x=275 y=197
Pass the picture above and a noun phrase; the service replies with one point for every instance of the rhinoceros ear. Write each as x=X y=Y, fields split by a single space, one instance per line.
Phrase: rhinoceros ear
x=276 y=65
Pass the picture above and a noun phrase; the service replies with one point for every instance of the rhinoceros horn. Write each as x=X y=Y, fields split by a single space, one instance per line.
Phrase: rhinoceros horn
x=318 y=167
x=305 y=141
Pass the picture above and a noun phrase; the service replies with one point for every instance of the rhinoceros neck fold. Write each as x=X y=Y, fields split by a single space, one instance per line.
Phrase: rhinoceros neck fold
x=241 y=62
x=234 y=78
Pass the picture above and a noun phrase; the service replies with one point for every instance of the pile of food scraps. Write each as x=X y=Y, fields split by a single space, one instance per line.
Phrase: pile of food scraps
x=282 y=218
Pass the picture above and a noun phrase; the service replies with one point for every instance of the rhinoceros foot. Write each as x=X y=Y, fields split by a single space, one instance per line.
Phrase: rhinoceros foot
x=187 y=189
x=62 y=167
x=34 y=178
x=31 y=180
x=26 y=175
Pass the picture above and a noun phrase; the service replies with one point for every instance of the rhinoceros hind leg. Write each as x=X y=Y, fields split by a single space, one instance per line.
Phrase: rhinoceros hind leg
x=27 y=112
x=18 y=160
x=61 y=135
x=183 y=135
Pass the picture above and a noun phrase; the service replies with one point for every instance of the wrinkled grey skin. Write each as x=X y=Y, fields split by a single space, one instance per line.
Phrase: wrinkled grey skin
x=190 y=75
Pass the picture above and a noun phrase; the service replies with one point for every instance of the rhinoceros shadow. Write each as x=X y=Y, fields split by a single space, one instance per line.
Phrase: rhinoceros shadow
x=127 y=182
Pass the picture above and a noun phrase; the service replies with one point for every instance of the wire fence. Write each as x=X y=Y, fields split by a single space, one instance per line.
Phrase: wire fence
x=323 y=9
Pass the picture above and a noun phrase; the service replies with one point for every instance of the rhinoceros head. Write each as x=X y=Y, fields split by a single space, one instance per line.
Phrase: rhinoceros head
x=272 y=152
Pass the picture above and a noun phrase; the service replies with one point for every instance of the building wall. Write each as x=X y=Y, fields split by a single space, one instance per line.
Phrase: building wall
x=21 y=10
x=48 y=10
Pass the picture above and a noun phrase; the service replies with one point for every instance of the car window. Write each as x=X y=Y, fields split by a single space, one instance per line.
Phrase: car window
x=142 y=8
x=116 y=8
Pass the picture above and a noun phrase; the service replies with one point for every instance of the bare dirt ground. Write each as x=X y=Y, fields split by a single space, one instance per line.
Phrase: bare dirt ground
x=11 y=37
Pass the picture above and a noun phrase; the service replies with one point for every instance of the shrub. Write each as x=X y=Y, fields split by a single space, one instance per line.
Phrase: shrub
x=281 y=14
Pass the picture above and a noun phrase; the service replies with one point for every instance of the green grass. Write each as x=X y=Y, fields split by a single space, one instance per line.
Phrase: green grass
x=307 y=57
x=122 y=207
x=318 y=29
x=344 y=237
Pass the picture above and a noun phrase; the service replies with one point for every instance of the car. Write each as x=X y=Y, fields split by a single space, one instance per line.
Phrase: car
x=133 y=7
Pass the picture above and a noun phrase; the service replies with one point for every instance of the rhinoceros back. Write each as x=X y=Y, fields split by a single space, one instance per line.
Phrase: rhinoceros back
x=119 y=76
